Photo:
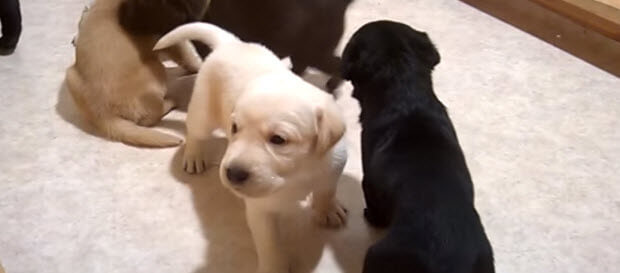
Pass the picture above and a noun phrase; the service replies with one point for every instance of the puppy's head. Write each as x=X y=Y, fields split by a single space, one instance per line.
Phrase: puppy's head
x=273 y=135
x=380 y=50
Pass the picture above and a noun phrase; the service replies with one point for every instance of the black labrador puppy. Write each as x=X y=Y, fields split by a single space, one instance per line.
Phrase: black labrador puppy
x=416 y=180
x=306 y=30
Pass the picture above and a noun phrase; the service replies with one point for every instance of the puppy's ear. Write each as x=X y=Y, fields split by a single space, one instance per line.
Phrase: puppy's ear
x=424 y=48
x=330 y=126
x=355 y=61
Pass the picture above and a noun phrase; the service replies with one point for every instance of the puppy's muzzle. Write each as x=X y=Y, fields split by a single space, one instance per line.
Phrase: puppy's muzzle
x=237 y=175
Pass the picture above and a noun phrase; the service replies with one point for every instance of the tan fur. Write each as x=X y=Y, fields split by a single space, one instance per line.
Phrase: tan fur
x=118 y=82
x=245 y=84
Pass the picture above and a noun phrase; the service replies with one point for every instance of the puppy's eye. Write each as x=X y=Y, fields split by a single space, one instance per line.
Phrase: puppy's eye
x=234 y=129
x=277 y=140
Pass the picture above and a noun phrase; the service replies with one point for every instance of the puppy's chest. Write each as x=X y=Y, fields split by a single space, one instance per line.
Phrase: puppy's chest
x=298 y=189
x=286 y=201
x=294 y=195
x=376 y=141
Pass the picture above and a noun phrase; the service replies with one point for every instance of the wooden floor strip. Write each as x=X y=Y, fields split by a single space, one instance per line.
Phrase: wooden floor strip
x=556 y=28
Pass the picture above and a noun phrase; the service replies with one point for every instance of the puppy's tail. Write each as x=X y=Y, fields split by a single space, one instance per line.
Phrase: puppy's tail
x=210 y=34
x=128 y=132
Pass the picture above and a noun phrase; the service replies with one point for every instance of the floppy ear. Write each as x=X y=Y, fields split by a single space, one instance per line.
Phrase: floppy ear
x=347 y=65
x=354 y=62
x=426 y=51
x=330 y=126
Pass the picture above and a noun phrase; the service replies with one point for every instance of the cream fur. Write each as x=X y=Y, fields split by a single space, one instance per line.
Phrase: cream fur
x=245 y=84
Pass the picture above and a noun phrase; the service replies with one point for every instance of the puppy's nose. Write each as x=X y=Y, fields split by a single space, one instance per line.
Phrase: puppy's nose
x=237 y=175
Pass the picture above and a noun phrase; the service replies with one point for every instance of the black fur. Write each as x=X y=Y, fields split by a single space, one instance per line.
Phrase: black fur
x=416 y=180
x=306 y=30
x=157 y=17
x=11 y=24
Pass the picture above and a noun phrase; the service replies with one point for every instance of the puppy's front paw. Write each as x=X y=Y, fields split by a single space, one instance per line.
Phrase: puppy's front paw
x=333 y=216
x=194 y=161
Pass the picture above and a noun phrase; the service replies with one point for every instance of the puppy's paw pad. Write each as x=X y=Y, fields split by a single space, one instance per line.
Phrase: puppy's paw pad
x=333 y=217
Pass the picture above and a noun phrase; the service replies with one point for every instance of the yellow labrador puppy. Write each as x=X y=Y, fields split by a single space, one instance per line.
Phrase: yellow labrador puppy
x=118 y=82
x=284 y=135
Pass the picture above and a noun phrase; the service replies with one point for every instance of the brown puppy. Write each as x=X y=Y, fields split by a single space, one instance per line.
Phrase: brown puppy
x=118 y=82
x=148 y=17
x=306 y=30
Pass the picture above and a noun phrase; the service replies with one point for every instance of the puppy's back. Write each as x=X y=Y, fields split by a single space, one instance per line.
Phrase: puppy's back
x=414 y=169
x=117 y=80
x=435 y=227
x=103 y=43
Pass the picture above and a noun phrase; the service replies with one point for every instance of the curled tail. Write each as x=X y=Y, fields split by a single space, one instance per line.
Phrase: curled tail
x=209 y=34
x=128 y=132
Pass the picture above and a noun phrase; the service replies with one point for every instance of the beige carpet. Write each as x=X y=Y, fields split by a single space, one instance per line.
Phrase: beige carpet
x=539 y=128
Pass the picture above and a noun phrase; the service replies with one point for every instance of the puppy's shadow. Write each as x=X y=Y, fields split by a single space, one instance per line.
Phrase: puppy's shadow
x=222 y=218
x=317 y=249
x=230 y=248
x=179 y=89
x=350 y=244
x=67 y=110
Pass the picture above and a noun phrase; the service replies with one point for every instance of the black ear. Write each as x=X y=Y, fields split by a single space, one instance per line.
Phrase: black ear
x=348 y=62
x=425 y=50
x=354 y=63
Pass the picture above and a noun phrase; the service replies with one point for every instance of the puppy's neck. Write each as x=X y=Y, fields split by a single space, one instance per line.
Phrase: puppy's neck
x=398 y=97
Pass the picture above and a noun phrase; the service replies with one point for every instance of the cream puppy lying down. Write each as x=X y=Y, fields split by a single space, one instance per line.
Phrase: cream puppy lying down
x=284 y=135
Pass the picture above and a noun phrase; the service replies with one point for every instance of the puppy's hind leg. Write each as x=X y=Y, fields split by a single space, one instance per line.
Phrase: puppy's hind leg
x=376 y=212
x=155 y=108
x=327 y=210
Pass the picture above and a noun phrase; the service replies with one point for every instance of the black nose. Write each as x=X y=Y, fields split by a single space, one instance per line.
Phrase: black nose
x=237 y=175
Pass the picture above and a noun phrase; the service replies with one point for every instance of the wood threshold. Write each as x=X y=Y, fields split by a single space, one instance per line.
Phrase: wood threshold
x=556 y=28
x=588 y=13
